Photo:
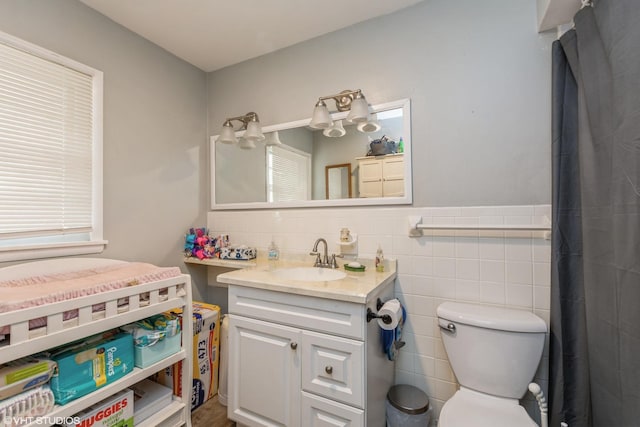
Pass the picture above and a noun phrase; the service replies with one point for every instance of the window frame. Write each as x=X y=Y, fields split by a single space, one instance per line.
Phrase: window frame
x=63 y=246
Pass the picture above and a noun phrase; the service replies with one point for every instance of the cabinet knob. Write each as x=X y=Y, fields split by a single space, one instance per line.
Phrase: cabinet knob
x=294 y=345
x=328 y=370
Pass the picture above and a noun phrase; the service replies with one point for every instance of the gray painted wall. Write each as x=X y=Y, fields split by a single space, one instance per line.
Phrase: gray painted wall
x=477 y=74
x=155 y=156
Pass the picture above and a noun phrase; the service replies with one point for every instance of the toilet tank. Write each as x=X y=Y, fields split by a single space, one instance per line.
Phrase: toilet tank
x=492 y=350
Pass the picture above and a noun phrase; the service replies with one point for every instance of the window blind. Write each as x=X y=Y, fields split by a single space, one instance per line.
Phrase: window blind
x=46 y=136
x=288 y=174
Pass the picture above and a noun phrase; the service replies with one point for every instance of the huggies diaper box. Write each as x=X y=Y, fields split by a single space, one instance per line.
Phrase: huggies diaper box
x=206 y=338
x=114 y=411
x=87 y=365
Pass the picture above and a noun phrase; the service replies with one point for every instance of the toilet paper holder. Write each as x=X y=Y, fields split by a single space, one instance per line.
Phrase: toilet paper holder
x=371 y=315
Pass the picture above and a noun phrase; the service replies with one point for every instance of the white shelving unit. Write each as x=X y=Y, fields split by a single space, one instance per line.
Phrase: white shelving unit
x=143 y=301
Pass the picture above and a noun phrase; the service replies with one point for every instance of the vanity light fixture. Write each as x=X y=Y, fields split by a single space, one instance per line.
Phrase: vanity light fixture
x=347 y=100
x=273 y=138
x=251 y=126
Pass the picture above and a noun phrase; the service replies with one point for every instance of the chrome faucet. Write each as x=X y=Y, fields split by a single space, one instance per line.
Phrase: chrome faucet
x=324 y=261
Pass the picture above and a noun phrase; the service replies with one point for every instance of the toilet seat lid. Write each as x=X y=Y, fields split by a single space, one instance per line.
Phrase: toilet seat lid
x=470 y=408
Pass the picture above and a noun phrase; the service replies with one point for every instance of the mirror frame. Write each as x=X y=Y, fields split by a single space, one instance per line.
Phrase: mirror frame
x=407 y=199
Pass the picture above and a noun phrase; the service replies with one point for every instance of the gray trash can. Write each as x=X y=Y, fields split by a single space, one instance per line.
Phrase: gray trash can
x=407 y=406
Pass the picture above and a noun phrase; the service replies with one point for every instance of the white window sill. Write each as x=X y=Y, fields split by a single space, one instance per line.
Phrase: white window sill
x=51 y=250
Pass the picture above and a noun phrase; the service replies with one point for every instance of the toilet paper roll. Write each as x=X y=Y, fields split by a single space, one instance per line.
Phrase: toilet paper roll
x=393 y=309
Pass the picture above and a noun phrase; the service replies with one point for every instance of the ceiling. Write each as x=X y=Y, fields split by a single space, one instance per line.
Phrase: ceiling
x=213 y=34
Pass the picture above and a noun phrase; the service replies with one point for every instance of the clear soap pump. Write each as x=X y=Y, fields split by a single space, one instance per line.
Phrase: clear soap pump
x=379 y=260
x=273 y=253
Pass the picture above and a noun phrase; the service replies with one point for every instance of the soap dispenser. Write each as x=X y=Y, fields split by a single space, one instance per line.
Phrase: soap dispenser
x=273 y=253
x=379 y=260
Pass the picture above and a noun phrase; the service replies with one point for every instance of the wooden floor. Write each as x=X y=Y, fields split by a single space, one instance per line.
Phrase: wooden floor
x=211 y=413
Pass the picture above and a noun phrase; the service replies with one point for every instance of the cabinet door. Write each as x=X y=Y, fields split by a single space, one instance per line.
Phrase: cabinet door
x=393 y=176
x=319 y=412
x=333 y=367
x=370 y=178
x=264 y=373
x=393 y=167
x=393 y=187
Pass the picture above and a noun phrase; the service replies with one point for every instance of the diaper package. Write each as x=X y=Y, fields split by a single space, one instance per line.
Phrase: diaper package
x=114 y=411
x=206 y=338
x=87 y=365
x=24 y=374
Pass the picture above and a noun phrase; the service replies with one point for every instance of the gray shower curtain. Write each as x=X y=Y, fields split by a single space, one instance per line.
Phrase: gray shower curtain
x=595 y=283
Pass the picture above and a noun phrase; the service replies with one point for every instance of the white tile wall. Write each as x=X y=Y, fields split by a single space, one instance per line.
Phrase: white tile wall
x=489 y=267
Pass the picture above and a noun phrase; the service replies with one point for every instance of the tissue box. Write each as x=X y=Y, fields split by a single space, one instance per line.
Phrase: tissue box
x=87 y=365
x=238 y=252
x=206 y=338
x=114 y=411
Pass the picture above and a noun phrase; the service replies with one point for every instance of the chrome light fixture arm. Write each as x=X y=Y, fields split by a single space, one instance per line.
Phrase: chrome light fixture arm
x=343 y=99
x=245 y=120
x=352 y=101
x=251 y=125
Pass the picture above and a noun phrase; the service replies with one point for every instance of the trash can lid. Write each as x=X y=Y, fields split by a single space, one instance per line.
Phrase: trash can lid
x=408 y=399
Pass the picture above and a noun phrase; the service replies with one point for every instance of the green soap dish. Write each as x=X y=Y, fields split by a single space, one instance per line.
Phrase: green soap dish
x=358 y=269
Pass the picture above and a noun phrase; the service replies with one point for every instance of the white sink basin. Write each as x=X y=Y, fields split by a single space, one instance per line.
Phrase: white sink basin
x=309 y=274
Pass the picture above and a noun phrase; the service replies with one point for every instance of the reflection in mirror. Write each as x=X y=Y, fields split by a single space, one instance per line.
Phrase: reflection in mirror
x=288 y=174
x=338 y=181
x=301 y=170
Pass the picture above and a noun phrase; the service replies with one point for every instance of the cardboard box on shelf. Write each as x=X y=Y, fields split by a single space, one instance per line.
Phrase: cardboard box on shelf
x=206 y=338
x=114 y=411
x=149 y=398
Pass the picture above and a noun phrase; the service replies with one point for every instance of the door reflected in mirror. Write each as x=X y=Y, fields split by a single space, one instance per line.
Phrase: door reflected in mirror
x=338 y=181
x=310 y=168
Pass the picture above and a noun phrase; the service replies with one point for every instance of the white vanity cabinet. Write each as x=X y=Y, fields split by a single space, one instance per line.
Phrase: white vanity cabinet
x=381 y=176
x=300 y=361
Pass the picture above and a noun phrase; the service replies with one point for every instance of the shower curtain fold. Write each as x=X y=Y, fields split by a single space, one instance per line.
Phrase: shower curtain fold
x=595 y=314
x=569 y=376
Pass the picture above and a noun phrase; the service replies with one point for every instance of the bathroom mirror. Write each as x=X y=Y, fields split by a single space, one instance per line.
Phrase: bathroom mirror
x=338 y=181
x=297 y=172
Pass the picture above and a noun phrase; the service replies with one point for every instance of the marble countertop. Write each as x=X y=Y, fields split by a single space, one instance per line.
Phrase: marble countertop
x=358 y=287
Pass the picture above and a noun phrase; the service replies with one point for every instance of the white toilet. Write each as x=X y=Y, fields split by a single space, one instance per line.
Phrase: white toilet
x=494 y=353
